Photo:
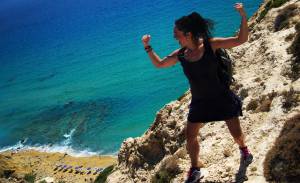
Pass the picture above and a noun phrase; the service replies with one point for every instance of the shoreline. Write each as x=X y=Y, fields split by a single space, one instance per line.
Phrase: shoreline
x=55 y=149
x=45 y=164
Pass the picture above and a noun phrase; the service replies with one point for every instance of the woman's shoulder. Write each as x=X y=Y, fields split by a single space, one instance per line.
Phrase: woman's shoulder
x=180 y=50
x=175 y=52
x=179 y=53
x=212 y=42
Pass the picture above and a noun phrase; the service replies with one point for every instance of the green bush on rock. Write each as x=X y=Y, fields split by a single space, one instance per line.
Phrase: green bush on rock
x=30 y=177
x=104 y=174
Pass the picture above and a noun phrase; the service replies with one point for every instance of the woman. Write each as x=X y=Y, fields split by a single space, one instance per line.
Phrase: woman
x=211 y=99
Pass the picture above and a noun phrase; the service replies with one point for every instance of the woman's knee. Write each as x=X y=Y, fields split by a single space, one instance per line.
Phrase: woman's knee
x=191 y=137
x=234 y=128
x=192 y=130
x=239 y=137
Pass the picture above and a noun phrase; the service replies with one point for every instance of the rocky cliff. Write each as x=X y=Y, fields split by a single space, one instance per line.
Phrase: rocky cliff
x=266 y=70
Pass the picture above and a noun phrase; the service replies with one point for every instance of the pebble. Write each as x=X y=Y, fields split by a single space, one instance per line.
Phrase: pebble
x=226 y=179
x=253 y=169
x=224 y=175
x=227 y=153
x=228 y=169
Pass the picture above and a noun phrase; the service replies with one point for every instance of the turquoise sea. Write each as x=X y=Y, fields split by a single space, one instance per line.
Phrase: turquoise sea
x=74 y=76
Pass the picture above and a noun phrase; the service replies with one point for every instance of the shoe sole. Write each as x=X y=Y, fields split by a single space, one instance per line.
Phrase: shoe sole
x=197 y=181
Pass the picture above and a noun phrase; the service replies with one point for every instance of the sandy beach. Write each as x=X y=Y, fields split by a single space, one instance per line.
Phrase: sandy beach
x=45 y=165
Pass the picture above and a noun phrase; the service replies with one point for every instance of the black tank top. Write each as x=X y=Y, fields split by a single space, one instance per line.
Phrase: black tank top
x=202 y=74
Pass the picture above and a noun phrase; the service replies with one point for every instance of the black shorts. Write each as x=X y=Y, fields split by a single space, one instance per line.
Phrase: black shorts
x=219 y=108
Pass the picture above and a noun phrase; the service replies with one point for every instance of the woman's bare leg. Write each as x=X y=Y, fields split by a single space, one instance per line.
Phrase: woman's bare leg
x=236 y=131
x=246 y=157
x=193 y=147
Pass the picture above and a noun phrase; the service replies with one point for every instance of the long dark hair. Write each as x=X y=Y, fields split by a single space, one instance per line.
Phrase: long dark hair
x=196 y=24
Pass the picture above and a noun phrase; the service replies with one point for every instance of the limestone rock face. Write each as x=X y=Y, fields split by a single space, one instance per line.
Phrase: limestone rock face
x=263 y=70
x=163 y=138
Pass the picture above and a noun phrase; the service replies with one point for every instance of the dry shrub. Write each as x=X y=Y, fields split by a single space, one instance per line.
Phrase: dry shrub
x=295 y=47
x=282 y=20
x=258 y=79
x=289 y=37
x=252 y=105
x=295 y=50
x=167 y=171
x=243 y=93
x=282 y=162
x=272 y=94
x=269 y=5
x=297 y=27
x=278 y=3
x=263 y=104
x=161 y=177
x=290 y=99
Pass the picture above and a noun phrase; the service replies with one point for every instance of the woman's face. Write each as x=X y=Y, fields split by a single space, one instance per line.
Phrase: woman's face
x=181 y=37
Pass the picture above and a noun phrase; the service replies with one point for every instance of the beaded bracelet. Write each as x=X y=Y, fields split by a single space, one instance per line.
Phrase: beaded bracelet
x=148 y=48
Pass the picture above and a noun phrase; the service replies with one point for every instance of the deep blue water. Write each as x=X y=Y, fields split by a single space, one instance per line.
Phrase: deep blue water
x=74 y=75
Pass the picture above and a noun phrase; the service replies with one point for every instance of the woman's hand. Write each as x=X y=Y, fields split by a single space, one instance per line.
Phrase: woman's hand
x=242 y=36
x=146 y=39
x=239 y=7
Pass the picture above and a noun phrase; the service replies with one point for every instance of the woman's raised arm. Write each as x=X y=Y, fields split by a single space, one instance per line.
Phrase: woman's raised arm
x=156 y=60
x=242 y=36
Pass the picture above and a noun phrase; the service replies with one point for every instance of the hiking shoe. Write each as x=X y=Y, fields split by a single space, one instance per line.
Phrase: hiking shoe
x=246 y=161
x=194 y=176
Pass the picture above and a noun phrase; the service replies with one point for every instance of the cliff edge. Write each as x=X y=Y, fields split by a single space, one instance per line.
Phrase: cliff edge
x=266 y=70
